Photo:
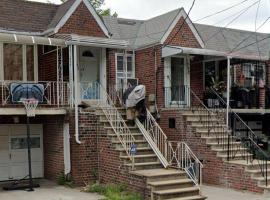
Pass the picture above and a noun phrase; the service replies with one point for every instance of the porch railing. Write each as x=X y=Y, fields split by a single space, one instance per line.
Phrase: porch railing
x=116 y=121
x=56 y=94
x=181 y=157
x=234 y=144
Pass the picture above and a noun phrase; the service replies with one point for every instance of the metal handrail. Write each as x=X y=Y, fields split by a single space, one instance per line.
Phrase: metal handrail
x=155 y=137
x=181 y=156
x=116 y=121
x=233 y=145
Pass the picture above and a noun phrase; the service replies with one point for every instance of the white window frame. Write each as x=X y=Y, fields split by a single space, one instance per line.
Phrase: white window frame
x=24 y=58
x=125 y=56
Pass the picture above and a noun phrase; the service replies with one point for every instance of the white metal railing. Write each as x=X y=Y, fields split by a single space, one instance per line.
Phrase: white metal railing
x=155 y=137
x=89 y=90
x=55 y=93
x=180 y=156
x=116 y=121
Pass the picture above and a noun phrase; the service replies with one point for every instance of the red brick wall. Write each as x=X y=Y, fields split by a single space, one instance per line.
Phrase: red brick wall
x=145 y=71
x=82 y=22
x=196 y=76
x=111 y=67
x=53 y=146
x=184 y=37
x=47 y=65
x=84 y=157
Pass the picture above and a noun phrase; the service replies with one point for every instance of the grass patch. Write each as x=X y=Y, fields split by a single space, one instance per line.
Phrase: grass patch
x=62 y=180
x=113 y=192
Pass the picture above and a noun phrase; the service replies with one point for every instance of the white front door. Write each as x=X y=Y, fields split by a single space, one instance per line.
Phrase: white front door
x=15 y=155
x=176 y=81
x=89 y=70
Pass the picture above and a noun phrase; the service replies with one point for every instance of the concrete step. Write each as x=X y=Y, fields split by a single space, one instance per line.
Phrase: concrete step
x=179 y=192
x=145 y=165
x=142 y=158
x=195 y=197
x=137 y=136
x=171 y=184
x=257 y=172
x=237 y=156
x=223 y=144
x=160 y=174
x=132 y=129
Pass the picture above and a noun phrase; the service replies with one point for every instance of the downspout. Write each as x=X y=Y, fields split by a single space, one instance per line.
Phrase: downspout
x=76 y=95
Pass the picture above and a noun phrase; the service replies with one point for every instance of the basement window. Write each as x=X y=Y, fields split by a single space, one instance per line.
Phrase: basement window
x=172 y=123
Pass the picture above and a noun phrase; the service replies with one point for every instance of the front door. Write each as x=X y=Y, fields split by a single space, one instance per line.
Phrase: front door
x=89 y=65
x=176 y=81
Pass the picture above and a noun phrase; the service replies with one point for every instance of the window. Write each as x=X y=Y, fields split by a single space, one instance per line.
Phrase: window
x=125 y=68
x=13 y=62
x=19 y=62
x=21 y=143
x=253 y=73
x=210 y=73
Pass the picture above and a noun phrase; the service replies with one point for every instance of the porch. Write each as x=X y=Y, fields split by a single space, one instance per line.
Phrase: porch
x=206 y=75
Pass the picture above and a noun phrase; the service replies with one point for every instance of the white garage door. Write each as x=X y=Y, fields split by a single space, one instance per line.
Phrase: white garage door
x=13 y=151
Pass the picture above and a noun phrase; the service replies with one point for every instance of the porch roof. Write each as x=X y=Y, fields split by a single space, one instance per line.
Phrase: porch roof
x=26 y=39
x=174 y=50
x=94 y=41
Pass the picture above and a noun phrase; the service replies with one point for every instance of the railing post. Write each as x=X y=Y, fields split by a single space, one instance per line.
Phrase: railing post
x=228 y=88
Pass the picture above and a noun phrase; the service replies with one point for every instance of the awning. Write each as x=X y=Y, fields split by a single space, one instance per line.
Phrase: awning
x=26 y=39
x=95 y=41
x=174 y=50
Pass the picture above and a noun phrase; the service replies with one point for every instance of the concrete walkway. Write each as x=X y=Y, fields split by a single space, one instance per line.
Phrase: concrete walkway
x=215 y=193
x=48 y=191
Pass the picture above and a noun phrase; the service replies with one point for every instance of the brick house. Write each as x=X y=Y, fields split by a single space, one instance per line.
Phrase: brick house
x=71 y=52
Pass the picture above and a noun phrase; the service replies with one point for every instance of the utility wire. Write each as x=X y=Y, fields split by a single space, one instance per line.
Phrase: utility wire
x=221 y=28
x=250 y=35
x=256 y=35
x=221 y=11
x=181 y=26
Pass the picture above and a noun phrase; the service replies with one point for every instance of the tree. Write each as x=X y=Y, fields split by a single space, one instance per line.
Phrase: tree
x=97 y=5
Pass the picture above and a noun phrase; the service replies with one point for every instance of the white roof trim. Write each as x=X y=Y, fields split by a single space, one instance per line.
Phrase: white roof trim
x=174 y=50
x=73 y=8
x=183 y=14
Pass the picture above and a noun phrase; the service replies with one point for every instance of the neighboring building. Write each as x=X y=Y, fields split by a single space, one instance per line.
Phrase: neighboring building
x=70 y=50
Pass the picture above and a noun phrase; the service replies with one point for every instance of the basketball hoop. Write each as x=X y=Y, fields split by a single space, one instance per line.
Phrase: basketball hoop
x=30 y=106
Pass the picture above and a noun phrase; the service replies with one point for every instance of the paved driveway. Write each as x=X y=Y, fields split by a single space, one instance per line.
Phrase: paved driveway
x=215 y=193
x=48 y=191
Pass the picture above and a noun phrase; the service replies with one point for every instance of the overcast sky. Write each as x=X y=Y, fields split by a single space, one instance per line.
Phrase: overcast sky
x=145 y=9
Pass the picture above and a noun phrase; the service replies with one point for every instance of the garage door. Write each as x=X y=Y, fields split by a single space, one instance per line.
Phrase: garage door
x=13 y=152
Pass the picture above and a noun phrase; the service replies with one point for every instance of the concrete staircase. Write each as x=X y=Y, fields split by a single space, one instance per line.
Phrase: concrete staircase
x=216 y=140
x=164 y=183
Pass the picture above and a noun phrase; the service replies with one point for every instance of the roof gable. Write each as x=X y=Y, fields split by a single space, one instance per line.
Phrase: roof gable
x=66 y=11
x=188 y=24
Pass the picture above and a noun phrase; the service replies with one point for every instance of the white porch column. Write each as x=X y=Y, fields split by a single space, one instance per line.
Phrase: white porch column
x=228 y=88
x=76 y=96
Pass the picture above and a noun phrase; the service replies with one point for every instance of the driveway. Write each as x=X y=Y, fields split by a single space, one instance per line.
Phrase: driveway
x=48 y=191
x=216 y=193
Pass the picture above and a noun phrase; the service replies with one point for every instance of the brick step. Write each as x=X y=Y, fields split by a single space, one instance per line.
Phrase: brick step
x=195 y=197
x=171 y=184
x=179 y=192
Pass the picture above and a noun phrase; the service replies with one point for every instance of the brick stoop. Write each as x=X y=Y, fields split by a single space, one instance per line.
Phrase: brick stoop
x=162 y=183
x=236 y=173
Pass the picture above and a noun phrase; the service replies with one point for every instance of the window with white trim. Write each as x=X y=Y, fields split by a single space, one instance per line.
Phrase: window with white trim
x=124 y=67
x=19 y=62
